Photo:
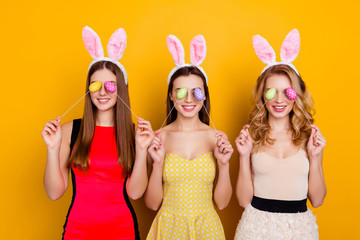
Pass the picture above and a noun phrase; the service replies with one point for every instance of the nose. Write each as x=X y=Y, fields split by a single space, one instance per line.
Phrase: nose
x=102 y=90
x=278 y=97
x=188 y=97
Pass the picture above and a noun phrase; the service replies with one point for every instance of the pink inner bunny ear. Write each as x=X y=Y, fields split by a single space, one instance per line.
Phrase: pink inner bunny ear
x=92 y=43
x=263 y=50
x=176 y=49
x=117 y=44
x=290 y=47
x=197 y=50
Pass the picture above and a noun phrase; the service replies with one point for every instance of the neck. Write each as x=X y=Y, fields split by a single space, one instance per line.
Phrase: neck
x=187 y=124
x=279 y=124
x=105 y=118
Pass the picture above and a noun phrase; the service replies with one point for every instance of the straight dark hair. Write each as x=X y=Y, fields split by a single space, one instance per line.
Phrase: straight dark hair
x=186 y=71
x=124 y=127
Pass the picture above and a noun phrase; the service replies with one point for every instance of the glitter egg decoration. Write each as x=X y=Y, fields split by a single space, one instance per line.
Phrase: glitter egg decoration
x=291 y=94
x=181 y=93
x=199 y=95
x=110 y=87
x=95 y=86
x=270 y=94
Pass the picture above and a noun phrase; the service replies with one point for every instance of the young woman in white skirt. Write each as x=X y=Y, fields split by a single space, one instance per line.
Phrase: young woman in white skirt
x=280 y=153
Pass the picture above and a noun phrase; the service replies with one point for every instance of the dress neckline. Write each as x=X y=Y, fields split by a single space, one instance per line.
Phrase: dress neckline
x=189 y=159
x=291 y=156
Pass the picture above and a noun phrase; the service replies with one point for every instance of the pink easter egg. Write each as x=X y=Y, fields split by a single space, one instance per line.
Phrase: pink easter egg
x=291 y=94
x=110 y=87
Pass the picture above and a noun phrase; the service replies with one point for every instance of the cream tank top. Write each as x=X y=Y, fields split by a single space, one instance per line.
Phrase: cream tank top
x=281 y=178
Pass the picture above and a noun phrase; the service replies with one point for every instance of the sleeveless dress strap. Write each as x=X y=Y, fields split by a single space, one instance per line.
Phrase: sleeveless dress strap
x=75 y=132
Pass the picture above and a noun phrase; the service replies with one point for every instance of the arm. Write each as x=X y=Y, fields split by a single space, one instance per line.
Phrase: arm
x=317 y=187
x=244 y=184
x=223 y=189
x=137 y=181
x=154 y=192
x=57 y=140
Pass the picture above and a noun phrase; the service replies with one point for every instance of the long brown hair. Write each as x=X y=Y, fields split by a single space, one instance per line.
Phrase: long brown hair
x=186 y=71
x=124 y=127
x=300 y=127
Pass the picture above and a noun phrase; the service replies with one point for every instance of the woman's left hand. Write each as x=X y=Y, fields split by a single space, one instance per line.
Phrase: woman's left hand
x=223 y=149
x=316 y=143
x=143 y=134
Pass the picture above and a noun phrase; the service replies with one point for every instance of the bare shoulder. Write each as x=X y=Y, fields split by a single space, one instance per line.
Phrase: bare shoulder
x=164 y=132
x=210 y=133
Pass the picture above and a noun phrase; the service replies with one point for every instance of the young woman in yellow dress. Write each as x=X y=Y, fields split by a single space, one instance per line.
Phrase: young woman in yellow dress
x=190 y=159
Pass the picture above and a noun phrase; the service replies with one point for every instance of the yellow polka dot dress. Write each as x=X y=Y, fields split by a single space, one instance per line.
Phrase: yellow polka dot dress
x=187 y=211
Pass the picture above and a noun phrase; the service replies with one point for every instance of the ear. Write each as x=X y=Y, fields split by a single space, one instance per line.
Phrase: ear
x=176 y=49
x=92 y=43
x=170 y=96
x=117 y=44
x=263 y=50
x=290 y=47
x=197 y=50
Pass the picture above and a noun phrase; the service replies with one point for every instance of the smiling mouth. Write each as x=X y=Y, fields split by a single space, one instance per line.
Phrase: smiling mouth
x=279 y=108
x=188 y=108
x=104 y=100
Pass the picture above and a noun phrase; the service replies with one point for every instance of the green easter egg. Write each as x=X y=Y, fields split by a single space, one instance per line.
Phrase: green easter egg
x=270 y=94
x=181 y=93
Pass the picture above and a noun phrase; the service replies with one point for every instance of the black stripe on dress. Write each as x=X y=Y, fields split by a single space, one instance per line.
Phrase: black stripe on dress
x=279 y=206
x=128 y=203
x=74 y=135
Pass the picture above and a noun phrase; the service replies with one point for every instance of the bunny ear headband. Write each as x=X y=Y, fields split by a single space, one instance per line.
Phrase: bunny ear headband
x=116 y=47
x=197 y=53
x=288 y=52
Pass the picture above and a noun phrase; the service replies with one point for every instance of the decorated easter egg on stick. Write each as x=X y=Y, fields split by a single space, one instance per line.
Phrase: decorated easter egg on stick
x=291 y=94
x=110 y=87
x=199 y=95
x=181 y=93
x=95 y=86
x=270 y=94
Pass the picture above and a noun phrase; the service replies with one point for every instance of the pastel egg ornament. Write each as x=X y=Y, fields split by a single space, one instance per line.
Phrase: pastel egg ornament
x=95 y=86
x=291 y=93
x=110 y=87
x=199 y=95
x=181 y=93
x=270 y=94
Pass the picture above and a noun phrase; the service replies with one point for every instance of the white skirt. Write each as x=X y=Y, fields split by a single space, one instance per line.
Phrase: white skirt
x=260 y=225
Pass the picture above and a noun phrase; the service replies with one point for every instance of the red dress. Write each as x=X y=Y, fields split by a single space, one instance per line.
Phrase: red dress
x=100 y=208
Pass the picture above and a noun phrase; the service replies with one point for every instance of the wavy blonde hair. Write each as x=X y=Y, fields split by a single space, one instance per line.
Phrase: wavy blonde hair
x=300 y=127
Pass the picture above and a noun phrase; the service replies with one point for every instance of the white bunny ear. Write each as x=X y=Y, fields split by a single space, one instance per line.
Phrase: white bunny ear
x=176 y=49
x=263 y=50
x=290 y=47
x=92 y=43
x=117 y=44
x=197 y=50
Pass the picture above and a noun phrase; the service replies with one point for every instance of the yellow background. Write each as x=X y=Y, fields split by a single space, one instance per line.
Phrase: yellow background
x=44 y=65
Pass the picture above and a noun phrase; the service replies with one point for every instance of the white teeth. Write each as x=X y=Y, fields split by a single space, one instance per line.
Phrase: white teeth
x=279 y=107
x=187 y=107
x=103 y=100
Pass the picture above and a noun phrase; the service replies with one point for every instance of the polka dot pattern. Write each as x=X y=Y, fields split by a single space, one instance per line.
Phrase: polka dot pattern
x=199 y=95
x=291 y=94
x=110 y=87
x=187 y=211
x=181 y=93
x=95 y=86
x=270 y=94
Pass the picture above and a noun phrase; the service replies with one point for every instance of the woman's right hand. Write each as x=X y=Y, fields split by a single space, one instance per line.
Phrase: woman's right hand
x=244 y=142
x=52 y=133
x=156 y=149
